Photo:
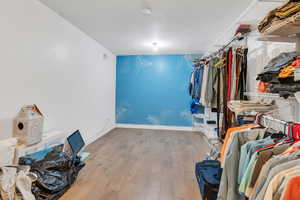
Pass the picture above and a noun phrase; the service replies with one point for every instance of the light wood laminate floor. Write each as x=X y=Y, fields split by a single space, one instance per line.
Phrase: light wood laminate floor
x=137 y=164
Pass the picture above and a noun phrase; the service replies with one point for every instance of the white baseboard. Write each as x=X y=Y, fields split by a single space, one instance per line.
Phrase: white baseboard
x=155 y=127
x=99 y=135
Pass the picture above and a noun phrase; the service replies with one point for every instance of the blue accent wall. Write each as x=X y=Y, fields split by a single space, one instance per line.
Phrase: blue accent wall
x=153 y=89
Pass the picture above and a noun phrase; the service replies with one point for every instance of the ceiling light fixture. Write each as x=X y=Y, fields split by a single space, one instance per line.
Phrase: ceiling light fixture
x=146 y=8
x=146 y=11
x=155 y=46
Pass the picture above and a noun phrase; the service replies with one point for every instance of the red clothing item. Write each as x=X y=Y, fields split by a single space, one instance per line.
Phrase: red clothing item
x=267 y=147
x=229 y=74
x=296 y=131
x=296 y=63
x=262 y=86
x=273 y=144
x=292 y=191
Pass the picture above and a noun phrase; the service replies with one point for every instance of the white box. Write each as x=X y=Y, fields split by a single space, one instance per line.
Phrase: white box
x=7 y=151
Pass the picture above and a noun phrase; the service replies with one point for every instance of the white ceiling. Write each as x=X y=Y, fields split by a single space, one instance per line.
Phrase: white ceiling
x=178 y=26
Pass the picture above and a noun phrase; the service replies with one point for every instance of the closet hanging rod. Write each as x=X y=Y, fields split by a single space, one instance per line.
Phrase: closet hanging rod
x=270 y=118
x=239 y=36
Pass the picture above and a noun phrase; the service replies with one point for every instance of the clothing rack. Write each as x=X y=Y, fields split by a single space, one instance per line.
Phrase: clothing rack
x=229 y=67
x=238 y=36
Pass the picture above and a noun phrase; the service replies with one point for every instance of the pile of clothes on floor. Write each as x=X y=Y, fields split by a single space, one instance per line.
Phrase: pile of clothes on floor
x=277 y=15
x=16 y=182
x=46 y=179
x=279 y=75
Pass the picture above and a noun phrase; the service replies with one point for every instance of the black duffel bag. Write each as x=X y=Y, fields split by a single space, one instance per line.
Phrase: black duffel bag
x=208 y=175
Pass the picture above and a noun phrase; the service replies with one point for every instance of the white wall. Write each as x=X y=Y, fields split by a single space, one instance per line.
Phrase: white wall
x=45 y=60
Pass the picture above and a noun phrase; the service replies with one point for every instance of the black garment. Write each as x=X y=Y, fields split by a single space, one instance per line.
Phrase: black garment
x=243 y=74
x=269 y=77
x=288 y=80
x=225 y=95
x=277 y=88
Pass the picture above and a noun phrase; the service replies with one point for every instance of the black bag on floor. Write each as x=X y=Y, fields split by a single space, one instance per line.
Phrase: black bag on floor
x=208 y=175
x=56 y=173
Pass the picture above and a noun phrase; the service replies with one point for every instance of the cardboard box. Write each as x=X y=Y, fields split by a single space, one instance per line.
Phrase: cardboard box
x=28 y=125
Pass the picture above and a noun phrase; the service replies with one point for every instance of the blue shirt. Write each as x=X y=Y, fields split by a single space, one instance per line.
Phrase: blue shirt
x=198 y=76
x=247 y=150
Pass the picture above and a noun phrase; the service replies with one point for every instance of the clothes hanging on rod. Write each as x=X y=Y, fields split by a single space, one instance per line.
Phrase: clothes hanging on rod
x=237 y=37
x=195 y=85
x=259 y=160
x=218 y=79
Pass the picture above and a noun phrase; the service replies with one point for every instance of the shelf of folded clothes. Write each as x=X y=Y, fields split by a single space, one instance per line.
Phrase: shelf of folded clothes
x=281 y=75
x=286 y=27
x=267 y=95
x=246 y=111
x=252 y=107
x=284 y=20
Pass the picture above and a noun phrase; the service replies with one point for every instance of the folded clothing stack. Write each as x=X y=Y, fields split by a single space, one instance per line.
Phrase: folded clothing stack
x=243 y=29
x=278 y=76
x=258 y=105
x=279 y=14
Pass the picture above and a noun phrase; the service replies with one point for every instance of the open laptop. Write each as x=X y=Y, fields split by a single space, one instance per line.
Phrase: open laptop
x=76 y=142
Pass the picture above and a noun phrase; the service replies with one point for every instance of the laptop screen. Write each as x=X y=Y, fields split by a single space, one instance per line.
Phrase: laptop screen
x=76 y=142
